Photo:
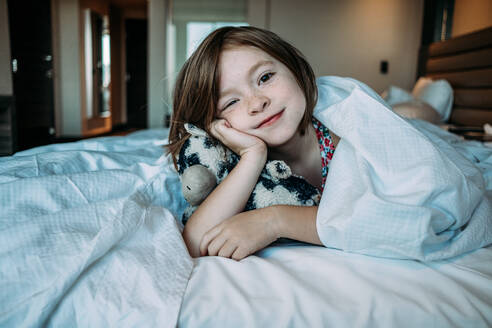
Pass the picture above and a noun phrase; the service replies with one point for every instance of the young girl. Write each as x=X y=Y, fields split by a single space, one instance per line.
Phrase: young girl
x=396 y=188
x=255 y=93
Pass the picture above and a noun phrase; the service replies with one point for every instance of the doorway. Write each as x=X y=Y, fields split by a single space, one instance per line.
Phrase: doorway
x=136 y=72
x=32 y=71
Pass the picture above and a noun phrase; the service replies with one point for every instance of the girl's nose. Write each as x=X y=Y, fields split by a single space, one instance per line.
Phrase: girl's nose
x=258 y=104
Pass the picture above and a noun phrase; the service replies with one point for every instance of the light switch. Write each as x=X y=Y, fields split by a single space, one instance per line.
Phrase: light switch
x=383 y=67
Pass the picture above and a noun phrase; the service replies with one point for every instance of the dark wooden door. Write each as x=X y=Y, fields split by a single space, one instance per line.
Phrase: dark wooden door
x=32 y=67
x=136 y=72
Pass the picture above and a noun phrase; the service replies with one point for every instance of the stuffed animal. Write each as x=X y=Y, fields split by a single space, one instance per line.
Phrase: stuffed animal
x=203 y=163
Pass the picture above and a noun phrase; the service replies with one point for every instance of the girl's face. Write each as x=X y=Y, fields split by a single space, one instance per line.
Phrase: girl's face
x=259 y=95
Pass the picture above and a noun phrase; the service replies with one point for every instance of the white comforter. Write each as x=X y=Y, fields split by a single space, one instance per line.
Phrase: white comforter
x=88 y=236
x=398 y=189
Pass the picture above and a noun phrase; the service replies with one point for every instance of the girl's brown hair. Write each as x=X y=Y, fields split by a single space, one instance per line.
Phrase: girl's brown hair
x=196 y=90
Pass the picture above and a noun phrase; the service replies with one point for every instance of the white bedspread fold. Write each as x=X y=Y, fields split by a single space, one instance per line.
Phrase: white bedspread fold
x=398 y=189
x=88 y=235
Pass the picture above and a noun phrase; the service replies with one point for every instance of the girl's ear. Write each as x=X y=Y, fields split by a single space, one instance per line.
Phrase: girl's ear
x=195 y=131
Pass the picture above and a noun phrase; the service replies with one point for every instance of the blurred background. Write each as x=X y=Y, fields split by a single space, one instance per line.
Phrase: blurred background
x=73 y=69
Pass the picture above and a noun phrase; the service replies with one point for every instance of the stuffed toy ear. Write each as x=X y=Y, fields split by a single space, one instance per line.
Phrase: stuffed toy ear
x=195 y=131
x=197 y=182
x=277 y=170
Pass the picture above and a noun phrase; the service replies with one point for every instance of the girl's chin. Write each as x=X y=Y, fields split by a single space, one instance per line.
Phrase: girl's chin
x=279 y=141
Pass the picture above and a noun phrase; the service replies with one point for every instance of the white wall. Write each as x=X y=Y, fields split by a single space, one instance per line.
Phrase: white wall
x=258 y=13
x=159 y=12
x=68 y=74
x=5 y=71
x=471 y=15
x=350 y=37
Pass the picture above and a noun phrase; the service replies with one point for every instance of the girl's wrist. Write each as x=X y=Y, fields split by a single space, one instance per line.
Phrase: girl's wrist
x=294 y=222
x=275 y=220
x=256 y=157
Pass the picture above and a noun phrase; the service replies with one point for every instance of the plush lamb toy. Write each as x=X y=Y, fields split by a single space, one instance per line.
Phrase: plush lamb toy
x=203 y=163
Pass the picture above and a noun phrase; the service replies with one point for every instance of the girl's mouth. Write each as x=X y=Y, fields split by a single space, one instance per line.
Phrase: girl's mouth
x=272 y=119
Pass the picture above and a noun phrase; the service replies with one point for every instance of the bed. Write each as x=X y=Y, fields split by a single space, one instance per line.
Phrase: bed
x=90 y=236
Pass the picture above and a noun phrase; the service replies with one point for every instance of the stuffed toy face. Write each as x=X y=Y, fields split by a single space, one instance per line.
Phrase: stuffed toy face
x=203 y=163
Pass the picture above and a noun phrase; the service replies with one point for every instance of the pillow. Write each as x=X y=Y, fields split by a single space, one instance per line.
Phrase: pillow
x=394 y=95
x=404 y=104
x=438 y=94
x=420 y=84
x=417 y=109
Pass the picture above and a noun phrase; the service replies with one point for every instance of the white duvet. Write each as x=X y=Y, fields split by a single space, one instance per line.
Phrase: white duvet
x=395 y=188
x=88 y=236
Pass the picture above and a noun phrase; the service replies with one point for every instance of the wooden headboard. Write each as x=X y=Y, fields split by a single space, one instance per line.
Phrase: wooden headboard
x=465 y=62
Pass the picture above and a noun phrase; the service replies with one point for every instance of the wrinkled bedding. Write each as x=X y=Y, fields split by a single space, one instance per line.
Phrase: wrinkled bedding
x=396 y=188
x=88 y=235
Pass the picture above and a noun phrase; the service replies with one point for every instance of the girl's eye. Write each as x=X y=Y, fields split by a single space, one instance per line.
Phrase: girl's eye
x=230 y=104
x=265 y=77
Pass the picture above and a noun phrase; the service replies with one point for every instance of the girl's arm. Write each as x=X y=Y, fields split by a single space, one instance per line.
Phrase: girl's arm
x=248 y=232
x=230 y=196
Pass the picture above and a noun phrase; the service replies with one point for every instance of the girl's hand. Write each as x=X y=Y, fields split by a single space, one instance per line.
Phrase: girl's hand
x=239 y=142
x=241 y=235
